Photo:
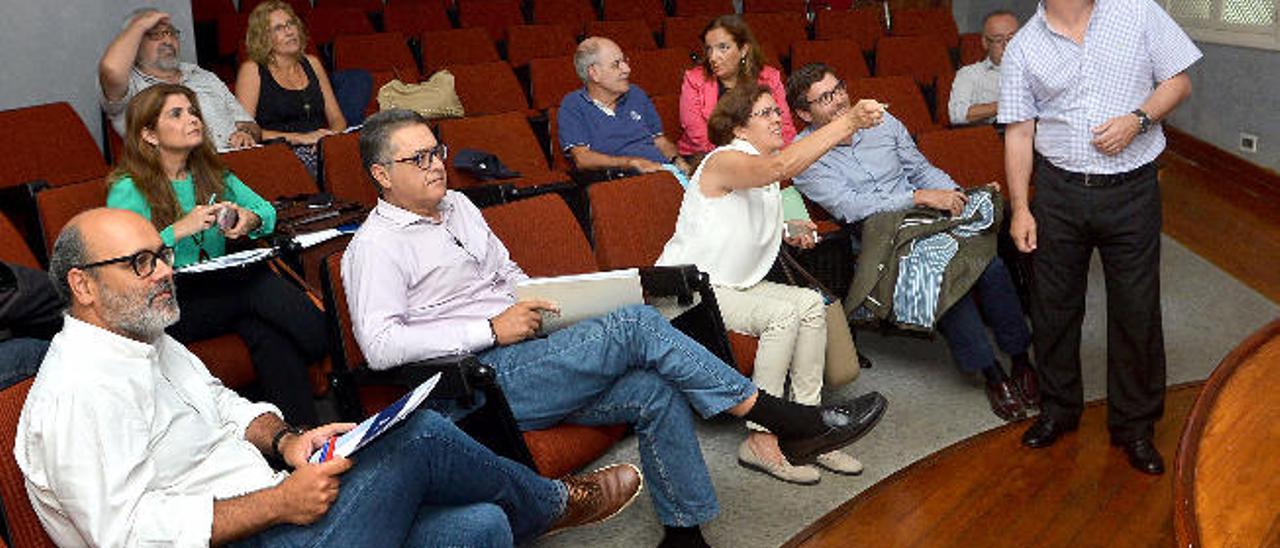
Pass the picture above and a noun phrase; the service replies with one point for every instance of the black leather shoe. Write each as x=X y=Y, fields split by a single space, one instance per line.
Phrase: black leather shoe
x=1045 y=432
x=1029 y=384
x=844 y=425
x=1006 y=400
x=1143 y=456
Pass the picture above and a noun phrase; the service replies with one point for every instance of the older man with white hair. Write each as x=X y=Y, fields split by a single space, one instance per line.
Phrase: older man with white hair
x=145 y=53
x=609 y=123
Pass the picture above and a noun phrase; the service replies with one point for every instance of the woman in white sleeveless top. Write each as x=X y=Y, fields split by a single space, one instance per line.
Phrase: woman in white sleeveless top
x=731 y=227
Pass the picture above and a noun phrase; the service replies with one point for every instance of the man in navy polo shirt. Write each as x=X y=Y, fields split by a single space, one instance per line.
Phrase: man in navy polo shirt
x=609 y=123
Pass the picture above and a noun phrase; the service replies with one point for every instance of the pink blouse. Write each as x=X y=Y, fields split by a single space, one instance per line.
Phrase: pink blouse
x=698 y=96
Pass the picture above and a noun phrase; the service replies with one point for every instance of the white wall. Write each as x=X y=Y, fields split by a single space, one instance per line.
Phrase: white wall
x=49 y=49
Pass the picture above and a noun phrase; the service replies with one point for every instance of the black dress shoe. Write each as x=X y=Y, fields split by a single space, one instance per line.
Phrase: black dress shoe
x=1143 y=456
x=1045 y=431
x=1006 y=400
x=1025 y=378
x=844 y=425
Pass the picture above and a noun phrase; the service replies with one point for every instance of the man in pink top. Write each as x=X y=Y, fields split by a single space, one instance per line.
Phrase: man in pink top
x=732 y=55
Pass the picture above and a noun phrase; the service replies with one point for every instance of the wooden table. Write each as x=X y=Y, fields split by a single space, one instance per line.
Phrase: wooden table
x=1227 y=471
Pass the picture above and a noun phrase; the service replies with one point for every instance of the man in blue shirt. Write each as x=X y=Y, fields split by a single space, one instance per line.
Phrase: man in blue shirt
x=609 y=123
x=880 y=169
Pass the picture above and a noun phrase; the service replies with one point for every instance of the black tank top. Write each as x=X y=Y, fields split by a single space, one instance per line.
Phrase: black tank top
x=289 y=110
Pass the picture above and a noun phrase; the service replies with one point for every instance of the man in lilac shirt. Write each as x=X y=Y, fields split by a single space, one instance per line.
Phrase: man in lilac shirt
x=1085 y=84
x=426 y=277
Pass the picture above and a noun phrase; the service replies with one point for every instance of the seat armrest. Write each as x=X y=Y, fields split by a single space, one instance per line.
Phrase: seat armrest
x=460 y=375
x=681 y=282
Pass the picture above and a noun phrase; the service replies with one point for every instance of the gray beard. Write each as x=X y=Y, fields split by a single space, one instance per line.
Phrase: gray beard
x=166 y=64
x=136 y=315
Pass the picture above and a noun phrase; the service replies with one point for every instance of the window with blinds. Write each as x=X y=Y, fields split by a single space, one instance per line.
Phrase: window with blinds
x=1250 y=23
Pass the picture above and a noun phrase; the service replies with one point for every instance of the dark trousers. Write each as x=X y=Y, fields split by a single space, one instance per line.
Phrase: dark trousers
x=965 y=330
x=1123 y=222
x=282 y=328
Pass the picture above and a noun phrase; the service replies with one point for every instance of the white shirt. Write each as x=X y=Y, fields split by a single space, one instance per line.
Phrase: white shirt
x=733 y=238
x=124 y=443
x=975 y=84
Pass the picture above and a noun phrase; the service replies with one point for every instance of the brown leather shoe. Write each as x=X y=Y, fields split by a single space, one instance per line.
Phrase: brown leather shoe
x=599 y=495
x=1029 y=384
x=1006 y=400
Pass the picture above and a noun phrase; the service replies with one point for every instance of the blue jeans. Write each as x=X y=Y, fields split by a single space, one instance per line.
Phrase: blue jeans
x=629 y=366
x=426 y=483
x=966 y=334
x=19 y=359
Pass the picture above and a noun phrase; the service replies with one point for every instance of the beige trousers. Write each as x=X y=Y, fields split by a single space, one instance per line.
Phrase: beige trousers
x=791 y=323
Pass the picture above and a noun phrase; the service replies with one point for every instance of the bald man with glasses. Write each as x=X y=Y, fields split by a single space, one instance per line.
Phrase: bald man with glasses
x=976 y=89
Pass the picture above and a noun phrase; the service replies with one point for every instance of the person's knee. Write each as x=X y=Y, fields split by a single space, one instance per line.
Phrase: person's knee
x=485 y=524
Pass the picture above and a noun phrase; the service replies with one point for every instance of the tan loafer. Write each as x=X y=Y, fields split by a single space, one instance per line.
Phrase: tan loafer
x=840 y=463
x=800 y=475
x=598 y=496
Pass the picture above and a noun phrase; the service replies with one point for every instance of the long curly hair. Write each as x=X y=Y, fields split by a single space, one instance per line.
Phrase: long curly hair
x=257 y=37
x=141 y=160
x=749 y=71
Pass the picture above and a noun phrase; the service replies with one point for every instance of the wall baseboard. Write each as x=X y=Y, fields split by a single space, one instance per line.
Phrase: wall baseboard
x=1220 y=161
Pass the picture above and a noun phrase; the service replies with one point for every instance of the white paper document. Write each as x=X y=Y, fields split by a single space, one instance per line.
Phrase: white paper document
x=583 y=296
x=248 y=256
x=376 y=425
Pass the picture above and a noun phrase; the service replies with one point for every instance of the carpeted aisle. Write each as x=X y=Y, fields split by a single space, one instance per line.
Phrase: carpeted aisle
x=932 y=405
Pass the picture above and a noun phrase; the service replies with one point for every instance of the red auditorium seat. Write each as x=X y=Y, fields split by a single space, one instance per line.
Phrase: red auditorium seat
x=659 y=72
x=469 y=46
x=47 y=142
x=864 y=26
x=386 y=51
x=511 y=139
x=903 y=96
x=631 y=36
x=922 y=58
x=550 y=79
x=935 y=22
x=843 y=56
x=649 y=11
x=413 y=19
x=574 y=14
x=527 y=42
x=488 y=88
x=495 y=16
x=326 y=23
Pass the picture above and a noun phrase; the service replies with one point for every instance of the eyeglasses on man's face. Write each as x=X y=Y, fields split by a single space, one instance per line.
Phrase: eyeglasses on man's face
x=143 y=262
x=162 y=33
x=423 y=158
x=997 y=39
x=765 y=112
x=827 y=97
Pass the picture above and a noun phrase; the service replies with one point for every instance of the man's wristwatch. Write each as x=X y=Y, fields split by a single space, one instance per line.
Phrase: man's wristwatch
x=275 y=440
x=1144 y=121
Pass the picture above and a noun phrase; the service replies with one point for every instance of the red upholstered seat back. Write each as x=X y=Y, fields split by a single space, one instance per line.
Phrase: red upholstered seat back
x=24 y=526
x=47 y=142
x=542 y=236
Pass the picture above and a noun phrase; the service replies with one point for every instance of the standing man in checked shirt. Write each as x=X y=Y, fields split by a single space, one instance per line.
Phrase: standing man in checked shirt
x=1088 y=81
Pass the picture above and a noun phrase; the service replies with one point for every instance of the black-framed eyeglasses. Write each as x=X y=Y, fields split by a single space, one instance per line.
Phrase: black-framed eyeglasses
x=827 y=97
x=161 y=34
x=423 y=158
x=765 y=112
x=142 y=262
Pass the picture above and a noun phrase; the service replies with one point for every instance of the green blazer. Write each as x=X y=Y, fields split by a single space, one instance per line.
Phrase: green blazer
x=125 y=195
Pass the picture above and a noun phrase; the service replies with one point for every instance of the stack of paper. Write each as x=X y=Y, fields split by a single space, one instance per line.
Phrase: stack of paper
x=248 y=256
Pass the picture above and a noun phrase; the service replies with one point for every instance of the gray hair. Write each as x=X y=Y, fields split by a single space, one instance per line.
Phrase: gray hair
x=585 y=56
x=139 y=12
x=69 y=251
x=375 y=137
x=998 y=13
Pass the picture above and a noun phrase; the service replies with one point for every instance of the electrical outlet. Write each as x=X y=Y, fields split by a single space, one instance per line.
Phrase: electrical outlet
x=1248 y=142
